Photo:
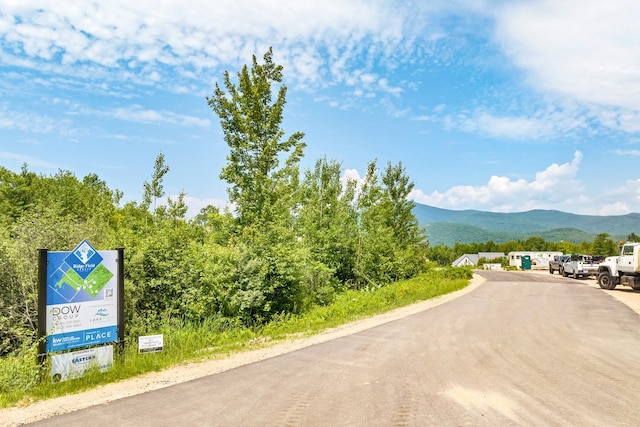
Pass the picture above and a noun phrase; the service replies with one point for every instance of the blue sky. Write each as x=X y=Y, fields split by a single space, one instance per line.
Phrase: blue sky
x=493 y=105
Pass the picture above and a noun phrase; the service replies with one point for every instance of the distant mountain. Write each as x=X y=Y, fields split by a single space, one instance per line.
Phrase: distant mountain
x=449 y=227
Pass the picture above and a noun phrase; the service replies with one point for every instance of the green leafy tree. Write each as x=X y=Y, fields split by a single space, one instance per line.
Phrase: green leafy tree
x=263 y=190
x=396 y=189
x=409 y=238
x=17 y=193
x=535 y=244
x=391 y=245
x=441 y=254
x=604 y=245
x=327 y=223
x=155 y=189
x=251 y=122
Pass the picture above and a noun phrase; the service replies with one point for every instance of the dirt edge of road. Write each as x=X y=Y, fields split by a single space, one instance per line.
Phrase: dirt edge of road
x=40 y=410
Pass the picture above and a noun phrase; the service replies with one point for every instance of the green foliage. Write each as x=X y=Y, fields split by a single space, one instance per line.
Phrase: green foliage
x=289 y=245
x=19 y=374
x=389 y=242
x=251 y=125
x=327 y=223
x=604 y=245
x=160 y=271
x=155 y=189
x=17 y=193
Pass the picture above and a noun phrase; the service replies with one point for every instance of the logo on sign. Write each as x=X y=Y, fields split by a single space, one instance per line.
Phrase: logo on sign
x=83 y=259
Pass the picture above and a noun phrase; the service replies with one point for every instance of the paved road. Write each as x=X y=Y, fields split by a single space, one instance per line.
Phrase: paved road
x=521 y=349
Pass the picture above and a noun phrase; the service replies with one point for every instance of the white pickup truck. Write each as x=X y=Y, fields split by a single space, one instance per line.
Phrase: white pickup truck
x=623 y=269
x=580 y=266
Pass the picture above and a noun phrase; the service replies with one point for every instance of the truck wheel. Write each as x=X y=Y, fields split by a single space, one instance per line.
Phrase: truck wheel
x=550 y=270
x=562 y=272
x=605 y=282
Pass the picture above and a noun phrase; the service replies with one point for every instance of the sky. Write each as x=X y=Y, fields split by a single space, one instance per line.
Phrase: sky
x=493 y=105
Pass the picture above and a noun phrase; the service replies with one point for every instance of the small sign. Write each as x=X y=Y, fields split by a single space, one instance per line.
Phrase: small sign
x=150 y=343
x=75 y=364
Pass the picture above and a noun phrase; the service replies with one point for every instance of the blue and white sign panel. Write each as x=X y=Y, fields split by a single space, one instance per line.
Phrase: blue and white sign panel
x=82 y=295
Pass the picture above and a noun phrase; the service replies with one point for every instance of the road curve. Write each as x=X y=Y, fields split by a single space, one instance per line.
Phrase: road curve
x=521 y=349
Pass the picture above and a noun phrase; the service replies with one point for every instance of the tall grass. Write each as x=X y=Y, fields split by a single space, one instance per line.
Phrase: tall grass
x=21 y=384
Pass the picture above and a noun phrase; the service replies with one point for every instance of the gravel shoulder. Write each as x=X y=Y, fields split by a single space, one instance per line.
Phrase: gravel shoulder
x=189 y=371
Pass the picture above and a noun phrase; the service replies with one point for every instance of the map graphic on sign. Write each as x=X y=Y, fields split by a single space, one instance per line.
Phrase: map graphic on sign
x=82 y=298
x=81 y=270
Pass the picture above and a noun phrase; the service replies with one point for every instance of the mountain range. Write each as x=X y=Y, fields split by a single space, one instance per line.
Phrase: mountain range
x=448 y=227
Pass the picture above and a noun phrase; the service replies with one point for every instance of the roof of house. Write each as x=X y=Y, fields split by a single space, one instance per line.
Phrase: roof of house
x=491 y=255
x=466 y=259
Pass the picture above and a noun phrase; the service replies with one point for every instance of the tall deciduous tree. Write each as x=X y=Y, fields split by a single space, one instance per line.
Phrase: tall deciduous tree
x=327 y=220
x=271 y=263
x=397 y=187
x=154 y=190
x=390 y=244
x=251 y=123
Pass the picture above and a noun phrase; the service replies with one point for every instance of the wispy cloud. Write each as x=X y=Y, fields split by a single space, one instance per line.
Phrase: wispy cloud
x=35 y=122
x=29 y=160
x=135 y=113
x=146 y=40
x=588 y=52
x=624 y=153
x=542 y=124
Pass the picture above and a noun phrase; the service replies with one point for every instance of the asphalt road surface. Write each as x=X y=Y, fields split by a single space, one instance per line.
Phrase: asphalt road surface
x=521 y=349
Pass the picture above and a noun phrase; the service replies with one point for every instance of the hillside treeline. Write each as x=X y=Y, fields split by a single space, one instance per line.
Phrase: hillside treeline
x=602 y=244
x=294 y=239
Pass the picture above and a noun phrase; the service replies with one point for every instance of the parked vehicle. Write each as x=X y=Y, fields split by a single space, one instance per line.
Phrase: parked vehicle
x=623 y=269
x=580 y=266
x=555 y=264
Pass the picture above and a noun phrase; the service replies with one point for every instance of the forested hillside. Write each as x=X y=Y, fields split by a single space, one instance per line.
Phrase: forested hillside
x=296 y=239
x=450 y=227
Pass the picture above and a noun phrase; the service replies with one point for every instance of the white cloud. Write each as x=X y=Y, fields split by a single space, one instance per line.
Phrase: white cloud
x=352 y=174
x=32 y=122
x=555 y=187
x=541 y=124
x=587 y=51
x=512 y=127
x=315 y=41
x=135 y=113
x=627 y=153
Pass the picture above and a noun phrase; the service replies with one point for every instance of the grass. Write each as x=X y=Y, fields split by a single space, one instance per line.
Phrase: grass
x=22 y=383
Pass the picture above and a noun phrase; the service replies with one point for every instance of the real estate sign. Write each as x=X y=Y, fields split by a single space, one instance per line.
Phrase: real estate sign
x=75 y=364
x=81 y=298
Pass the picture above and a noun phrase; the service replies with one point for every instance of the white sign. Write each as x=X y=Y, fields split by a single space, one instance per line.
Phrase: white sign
x=71 y=365
x=150 y=343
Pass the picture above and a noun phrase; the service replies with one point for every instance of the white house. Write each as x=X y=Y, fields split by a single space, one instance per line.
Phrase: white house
x=472 y=259
x=466 y=260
